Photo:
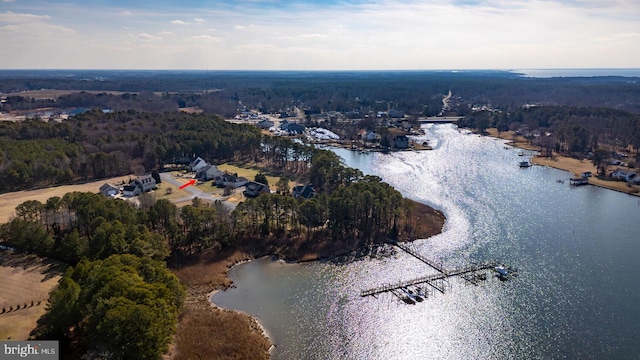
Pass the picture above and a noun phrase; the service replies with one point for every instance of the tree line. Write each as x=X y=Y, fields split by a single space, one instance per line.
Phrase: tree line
x=571 y=130
x=416 y=93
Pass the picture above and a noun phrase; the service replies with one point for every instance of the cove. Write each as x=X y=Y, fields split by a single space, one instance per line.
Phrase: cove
x=576 y=249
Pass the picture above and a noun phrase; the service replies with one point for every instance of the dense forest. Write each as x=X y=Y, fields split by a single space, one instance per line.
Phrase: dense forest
x=415 y=93
x=95 y=145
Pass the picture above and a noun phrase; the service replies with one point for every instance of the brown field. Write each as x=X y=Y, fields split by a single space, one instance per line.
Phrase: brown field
x=9 y=201
x=24 y=280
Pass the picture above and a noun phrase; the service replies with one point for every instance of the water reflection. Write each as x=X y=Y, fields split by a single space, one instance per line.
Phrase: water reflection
x=574 y=248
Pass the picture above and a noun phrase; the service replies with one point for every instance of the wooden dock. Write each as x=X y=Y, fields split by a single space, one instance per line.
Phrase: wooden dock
x=408 y=250
x=472 y=274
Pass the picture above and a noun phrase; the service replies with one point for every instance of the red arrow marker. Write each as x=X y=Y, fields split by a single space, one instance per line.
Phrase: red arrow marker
x=190 y=182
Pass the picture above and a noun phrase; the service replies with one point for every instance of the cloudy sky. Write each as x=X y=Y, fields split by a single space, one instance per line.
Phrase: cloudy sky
x=319 y=35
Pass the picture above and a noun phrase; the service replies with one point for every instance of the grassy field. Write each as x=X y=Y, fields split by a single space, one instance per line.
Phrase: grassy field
x=26 y=281
x=250 y=174
x=9 y=201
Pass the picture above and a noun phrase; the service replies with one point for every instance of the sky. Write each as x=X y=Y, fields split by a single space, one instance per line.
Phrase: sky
x=319 y=35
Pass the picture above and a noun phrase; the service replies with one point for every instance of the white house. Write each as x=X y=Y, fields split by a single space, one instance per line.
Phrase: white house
x=198 y=164
x=208 y=172
x=145 y=183
x=131 y=190
x=623 y=175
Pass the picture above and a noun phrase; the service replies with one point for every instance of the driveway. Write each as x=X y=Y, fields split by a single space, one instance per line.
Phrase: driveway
x=194 y=191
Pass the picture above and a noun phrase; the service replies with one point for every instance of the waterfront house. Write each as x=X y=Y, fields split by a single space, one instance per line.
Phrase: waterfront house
x=371 y=136
x=623 y=175
x=401 y=142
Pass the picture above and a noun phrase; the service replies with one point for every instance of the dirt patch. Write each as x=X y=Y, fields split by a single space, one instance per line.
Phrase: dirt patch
x=26 y=281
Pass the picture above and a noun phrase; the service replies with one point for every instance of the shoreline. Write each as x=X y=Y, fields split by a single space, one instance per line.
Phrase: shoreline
x=207 y=274
x=264 y=330
x=568 y=164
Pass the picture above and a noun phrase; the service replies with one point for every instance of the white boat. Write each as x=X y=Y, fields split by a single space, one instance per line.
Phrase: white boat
x=502 y=271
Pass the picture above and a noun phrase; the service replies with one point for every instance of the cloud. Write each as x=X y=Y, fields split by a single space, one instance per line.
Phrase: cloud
x=618 y=37
x=205 y=37
x=11 y=17
x=338 y=34
x=316 y=36
x=8 y=1
x=147 y=37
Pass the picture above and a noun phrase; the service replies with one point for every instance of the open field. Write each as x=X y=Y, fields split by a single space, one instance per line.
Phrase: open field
x=9 y=201
x=24 y=280
x=250 y=174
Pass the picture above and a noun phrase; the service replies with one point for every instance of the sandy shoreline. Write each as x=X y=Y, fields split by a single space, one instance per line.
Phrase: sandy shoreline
x=574 y=166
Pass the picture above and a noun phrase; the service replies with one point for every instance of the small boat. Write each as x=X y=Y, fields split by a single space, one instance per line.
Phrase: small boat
x=503 y=273
x=413 y=296
x=525 y=164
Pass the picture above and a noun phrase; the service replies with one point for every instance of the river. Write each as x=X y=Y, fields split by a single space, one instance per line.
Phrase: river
x=576 y=249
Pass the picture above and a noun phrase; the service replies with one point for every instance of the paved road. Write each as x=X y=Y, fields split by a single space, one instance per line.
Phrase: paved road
x=194 y=191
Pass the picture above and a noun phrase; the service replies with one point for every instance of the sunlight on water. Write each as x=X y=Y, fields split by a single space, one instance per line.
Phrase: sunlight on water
x=570 y=245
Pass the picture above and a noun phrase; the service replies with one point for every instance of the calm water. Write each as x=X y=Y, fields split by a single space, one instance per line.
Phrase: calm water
x=577 y=250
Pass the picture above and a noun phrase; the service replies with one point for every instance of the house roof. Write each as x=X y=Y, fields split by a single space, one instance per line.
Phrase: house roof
x=305 y=191
x=107 y=186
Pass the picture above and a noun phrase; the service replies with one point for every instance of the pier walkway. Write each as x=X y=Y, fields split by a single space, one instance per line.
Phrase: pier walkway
x=472 y=274
x=408 y=250
x=431 y=279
